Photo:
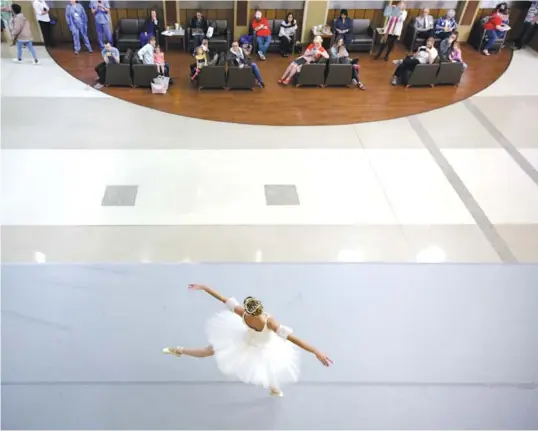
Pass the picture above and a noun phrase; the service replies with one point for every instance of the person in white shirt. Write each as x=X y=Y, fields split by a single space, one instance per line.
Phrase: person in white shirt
x=43 y=18
x=146 y=55
x=425 y=55
x=393 y=30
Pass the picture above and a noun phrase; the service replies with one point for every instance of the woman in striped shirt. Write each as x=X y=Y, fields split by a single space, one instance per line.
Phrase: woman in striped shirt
x=392 y=31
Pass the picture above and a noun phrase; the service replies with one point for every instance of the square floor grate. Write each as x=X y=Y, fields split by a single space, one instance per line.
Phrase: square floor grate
x=119 y=196
x=281 y=194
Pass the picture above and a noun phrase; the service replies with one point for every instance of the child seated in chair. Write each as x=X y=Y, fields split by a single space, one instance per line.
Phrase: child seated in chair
x=455 y=55
x=201 y=62
x=158 y=57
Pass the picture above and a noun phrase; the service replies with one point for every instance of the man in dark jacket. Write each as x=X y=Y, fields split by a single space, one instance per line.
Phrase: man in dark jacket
x=198 y=28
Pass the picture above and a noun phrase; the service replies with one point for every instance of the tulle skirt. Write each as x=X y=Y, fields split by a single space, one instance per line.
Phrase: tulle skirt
x=260 y=358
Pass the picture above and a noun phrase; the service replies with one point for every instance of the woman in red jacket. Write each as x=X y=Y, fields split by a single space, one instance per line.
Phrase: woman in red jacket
x=493 y=26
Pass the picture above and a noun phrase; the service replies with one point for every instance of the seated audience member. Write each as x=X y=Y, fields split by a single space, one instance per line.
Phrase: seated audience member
x=446 y=46
x=529 y=26
x=342 y=27
x=146 y=54
x=263 y=33
x=424 y=55
x=424 y=24
x=446 y=25
x=212 y=56
x=287 y=31
x=241 y=59
x=158 y=58
x=199 y=28
x=455 y=54
x=338 y=51
x=152 y=28
x=110 y=55
x=201 y=62
x=312 y=54
x=494 y=27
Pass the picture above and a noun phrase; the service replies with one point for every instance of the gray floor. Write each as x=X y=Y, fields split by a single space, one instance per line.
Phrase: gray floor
x=415 y=347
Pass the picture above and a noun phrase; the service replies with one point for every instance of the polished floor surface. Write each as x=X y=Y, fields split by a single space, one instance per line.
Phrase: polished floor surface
x=288 y=106
x=89 y=177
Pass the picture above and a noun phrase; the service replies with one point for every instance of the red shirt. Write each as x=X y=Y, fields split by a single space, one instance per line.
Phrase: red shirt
x=263 y=31
x=494 y=21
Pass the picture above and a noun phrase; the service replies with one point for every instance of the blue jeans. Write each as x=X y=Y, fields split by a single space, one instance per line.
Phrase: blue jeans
x=492 y=38
x=29 y=45
x=263 y=43
x=256 y=72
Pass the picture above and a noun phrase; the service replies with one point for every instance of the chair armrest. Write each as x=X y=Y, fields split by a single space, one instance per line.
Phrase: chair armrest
x=370 y=31
x=229 y=37
x=116 y=33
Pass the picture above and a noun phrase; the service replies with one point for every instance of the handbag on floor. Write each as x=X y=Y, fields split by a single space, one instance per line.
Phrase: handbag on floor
x=160 y=85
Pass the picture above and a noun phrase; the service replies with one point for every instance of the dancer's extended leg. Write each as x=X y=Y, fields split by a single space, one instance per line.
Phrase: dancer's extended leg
x=204 y=352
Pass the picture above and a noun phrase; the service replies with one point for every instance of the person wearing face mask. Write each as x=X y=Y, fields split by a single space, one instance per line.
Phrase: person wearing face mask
x=101 y=12
x=199 y=28
x=239 y=58
x=263 y=34
x=425 y=55
x=43 y=18
x=446 y=25
x=77 y=21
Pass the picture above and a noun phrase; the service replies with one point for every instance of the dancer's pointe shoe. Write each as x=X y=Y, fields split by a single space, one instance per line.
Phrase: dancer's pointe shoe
x=276 y=393
x=176 y=351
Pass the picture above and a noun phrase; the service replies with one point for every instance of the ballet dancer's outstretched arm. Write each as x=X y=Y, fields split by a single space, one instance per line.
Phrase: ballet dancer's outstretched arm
x=237 y=309
x=285 y=332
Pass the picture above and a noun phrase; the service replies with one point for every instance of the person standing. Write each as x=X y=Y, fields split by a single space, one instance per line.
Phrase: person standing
x=152 y=28
x=101 y=12
x=393 y=30
x=43 y=18
x=77 y=21
x=529 y=27
x=22 y=34
x=5 y=11
x=260 y=25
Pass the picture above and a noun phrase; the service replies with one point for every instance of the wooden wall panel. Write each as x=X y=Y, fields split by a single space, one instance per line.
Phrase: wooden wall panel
x=242 y=13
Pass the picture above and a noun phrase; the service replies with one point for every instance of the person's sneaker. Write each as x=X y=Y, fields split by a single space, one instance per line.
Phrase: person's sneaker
x=262 y=57
x=76 y=52
x=261 y=85
x=98 y=86
x=260 y=54
x=36 y=62
x=90 y=51
x=354 y=81
x=17 y=60
x=397 y=62
x=394 y=80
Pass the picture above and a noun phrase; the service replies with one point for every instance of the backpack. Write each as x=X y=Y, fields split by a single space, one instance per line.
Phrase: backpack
x=246 y=40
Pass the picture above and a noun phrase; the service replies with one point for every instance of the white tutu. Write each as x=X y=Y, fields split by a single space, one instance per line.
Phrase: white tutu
x=261 y=358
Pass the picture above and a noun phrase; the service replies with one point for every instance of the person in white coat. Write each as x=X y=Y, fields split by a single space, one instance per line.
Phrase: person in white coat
x=393 y=30
x=43 y=18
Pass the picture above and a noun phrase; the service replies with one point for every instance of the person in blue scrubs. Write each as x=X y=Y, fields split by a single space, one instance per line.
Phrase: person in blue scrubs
x=101 y=12
x=77 y=20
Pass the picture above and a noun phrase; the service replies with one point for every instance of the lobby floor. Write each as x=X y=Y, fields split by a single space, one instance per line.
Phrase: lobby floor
x=457 y=184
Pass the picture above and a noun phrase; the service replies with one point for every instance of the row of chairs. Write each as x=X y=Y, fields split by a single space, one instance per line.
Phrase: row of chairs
x=130 y=74
x=430 y=75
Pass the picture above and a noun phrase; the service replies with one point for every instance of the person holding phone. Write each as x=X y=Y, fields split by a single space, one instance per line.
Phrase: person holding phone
x=43 y=18
x=393 y=29
x=110 y=55
x=101 y=13
x=425 y=55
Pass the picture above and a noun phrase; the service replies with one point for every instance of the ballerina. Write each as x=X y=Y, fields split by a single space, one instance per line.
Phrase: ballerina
x=250 y=345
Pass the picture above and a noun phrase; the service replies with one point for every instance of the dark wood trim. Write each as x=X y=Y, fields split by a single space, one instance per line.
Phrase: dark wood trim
x=171 y=12
x=242 y=13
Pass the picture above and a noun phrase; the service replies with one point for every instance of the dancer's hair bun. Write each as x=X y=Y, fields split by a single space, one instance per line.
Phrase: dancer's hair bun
x=253 y=306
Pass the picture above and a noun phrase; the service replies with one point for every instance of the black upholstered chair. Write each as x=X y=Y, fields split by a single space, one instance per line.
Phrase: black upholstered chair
x=424 y=75
x=274 y=45
x=312 y=74
x=239 y=78
x=127 y=33
x=362 y=36
x=119 y=74
x=213 y=76
x=449 y=74
x=338 y=74
x=222 y=35
x=144 y=74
